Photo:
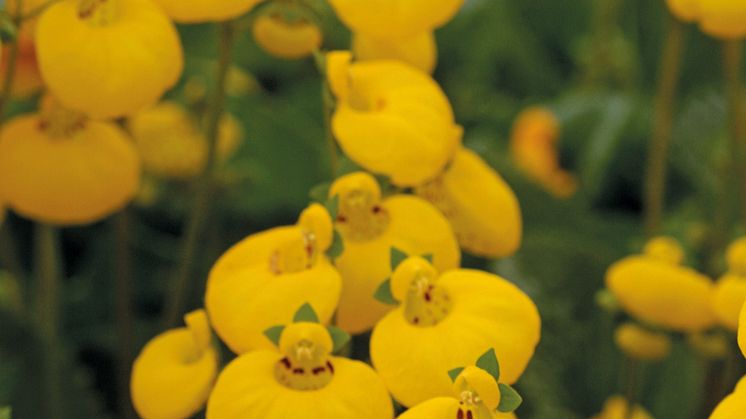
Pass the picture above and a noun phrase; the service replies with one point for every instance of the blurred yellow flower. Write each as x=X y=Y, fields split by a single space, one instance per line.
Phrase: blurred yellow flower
x=285 y=39
x=199 y=11
x=174 y=374
x=57 y=167
x=725 y=19
x=642 y=344
x=533 y=147
x=172 y=144
x=115 y=58
x=446 y=321
x=616 y=407
x=419 y=50
x=686 y=10
x=734 y=405
x=370 y=227
x=482 y=208
x=730 y=290
x=742 y=331
x=262 y=280
x=709 y=346
x=392 y=119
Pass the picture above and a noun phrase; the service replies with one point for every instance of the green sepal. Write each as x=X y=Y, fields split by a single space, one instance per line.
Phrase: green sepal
x=306 y=313
x=384 y=295
x=488 y=362
x=339 y=337
x=332 y=205
x=320 y=192
x=397 y=257
x=510 y=400
x=274 y=333
x=455 y=373
x=337 y=247
x=428 y=257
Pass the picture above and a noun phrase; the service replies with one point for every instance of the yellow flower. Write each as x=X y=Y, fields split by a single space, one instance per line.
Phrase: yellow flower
x=640 y=343
x=444 y=408
x=262 y=280
x=728 y=298
x=58 y=167
x=686 y=10
x=116 y=57
x=303 y=380
x=392 y=119
x=172 y=144
x=284 y=39
x=447 y=321
x=370 y=227
x=419 y=50
x=174 y=374
x=616 y=407
x=393 y=18
x=724 y=19
x=655 y=289
x=733 y=406
x=199 y=11
x=483 y=210
x=533 y=146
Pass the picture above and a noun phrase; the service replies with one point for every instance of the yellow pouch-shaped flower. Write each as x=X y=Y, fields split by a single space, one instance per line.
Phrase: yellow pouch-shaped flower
x=60 y=168
x=686 y=10
x=483 y=210
x=642 y=344
x=370 y=227
x=392 y=119
x=616 y=407
x=395 y=18
x=174 y=374
x=419 y=50
x=728 y=298
x=725 y=19
x=116 y=56
x=284 y=39
x=447 y=321
x=261 y=281
x=199 y=11
x=171 y=143
x=734 y=405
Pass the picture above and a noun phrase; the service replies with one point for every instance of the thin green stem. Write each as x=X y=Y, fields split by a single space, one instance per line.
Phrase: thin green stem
x=632 y=369
x=660 y=141
x=733 y=57
x=328 y=105
x=200 y=211
x=10 y=72
x=123 y=308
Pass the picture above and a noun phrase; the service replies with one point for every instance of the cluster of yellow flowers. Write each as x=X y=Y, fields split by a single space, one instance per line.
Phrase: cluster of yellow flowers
x=724 y=19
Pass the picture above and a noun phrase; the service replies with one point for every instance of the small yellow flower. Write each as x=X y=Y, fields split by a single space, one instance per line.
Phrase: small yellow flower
x=533 y=146
x=730 y=290
x=686 y=10
x=392 y=119
x=446 y=321
x=471 y=195
x=642 y=344
x=370 y=227
x=172 y=144
x=419 y=50
x=116 y=56
x=303 y=380
x=734 y=405
x=58 y=167
x=616 y=407
x=725 y=19
x=655 y=289
x=199 y=11
x=174 y=374
x=262 y=280
x=285 y=39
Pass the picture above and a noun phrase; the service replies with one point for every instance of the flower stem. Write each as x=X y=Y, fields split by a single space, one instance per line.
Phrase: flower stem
x=655 y=178
x=328 y=105
x=733 y=55
x=632 y=368
x=123 y=308
x=204 y=184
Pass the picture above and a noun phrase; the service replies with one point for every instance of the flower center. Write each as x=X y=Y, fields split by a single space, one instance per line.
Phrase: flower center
x=306 y=366
x=361 y=217
x=98 y=12
x=478 y=394
x=414 y=283
x=58 y=122
x=470 y=406
x=294 y=255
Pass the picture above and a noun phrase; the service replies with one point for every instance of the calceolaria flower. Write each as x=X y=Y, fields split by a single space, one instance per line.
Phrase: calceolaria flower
x=734 y=405
x=392 y=119
x=656 y=289
x=172 y=144
x=482 y=208
x=284 y=38
x=685 y=10
x=533 y=146
x=477 y=393
x=199 y=11
x=174 y=374
x=116 y=56
x=724 y=19
x=302 y=380
x=59 y=167
x=730 y=290
x=616 y=407
x=642 y=344
x=445 y=321
x=370 y=227
x=420 y=50
x=261 y=281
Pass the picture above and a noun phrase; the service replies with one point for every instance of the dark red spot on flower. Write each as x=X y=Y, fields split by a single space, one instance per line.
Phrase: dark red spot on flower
x=318 y=370
x=330 y=366
x=299 y=371
x=286 y=362
x=460 y=414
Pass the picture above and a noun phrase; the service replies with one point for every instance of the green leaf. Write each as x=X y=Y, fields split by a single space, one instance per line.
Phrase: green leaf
x=384 y=295
x=428 y=257
x=332 y=205
x=488 y=362
x=339 y=337
x=509 y=399
x=305 y=313
x=397 y=257
x=274 y=333
x=337 y=247
x=455 y=373
x=320 y=192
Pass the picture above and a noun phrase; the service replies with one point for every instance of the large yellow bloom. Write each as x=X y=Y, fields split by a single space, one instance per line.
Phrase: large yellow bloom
x=446 y=321
x=686 y=10
x=301 y=381
x=656 y=290
x=174 y=374
x=60 y=168
x=730 y=290
x=285 y=39
x=262 y=280
x=733 y=406
x=483 y=210
x=616 y=407
x=116 y=57
x=642 y=344
x=723 y=18
x=419 y=50
x=198 y=11
x=392 y=119
x=370 y=227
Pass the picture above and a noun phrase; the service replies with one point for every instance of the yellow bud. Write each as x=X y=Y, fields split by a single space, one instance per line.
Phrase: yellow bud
x=315 y=220
x=642 y=344
x=408 y=272
x=481 y=384
x=665 y=249
x=304 y=336
x=284 y=39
